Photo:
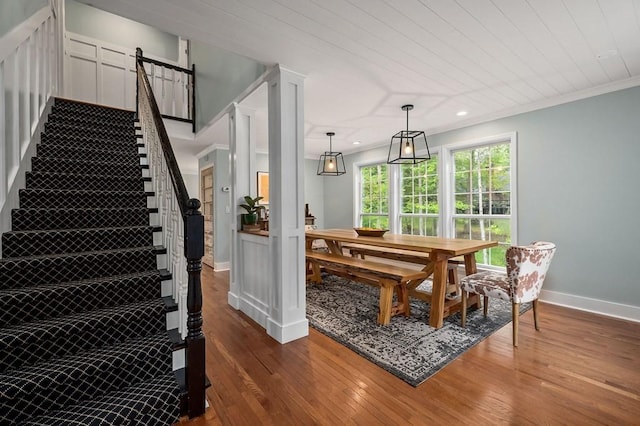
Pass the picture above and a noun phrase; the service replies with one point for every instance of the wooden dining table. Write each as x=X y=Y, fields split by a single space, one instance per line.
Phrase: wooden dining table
x=438 y=250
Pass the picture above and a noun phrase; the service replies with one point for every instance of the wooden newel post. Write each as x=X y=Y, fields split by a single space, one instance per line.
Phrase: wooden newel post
x=195 y=343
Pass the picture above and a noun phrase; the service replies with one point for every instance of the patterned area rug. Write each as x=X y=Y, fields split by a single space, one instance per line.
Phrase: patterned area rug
x=346 y=311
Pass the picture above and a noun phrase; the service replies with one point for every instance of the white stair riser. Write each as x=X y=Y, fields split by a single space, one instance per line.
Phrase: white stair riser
x=173 y=319
x=166 y=288
x=178 y=359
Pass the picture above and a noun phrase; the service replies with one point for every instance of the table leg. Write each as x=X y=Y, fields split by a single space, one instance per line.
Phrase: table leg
x=334 y=247
x=470 y=267
x=470 y=263
x=386 y=302
x=439 y=289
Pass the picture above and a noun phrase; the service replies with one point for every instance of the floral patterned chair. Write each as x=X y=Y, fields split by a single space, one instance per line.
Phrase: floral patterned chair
x=526 y=270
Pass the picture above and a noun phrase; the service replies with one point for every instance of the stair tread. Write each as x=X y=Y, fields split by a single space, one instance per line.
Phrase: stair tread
x=58 y=115
x=53 y=164
x=84 y=128
x=74 y=140
x=86 y=281
x=64 y=102
x=81 y=161
x=103 y=150
x=81 y=198
x=159 y=396
x=38 y=218
x=34 y=270
x=46 y=301
x=67 y=380
x=81 y=191
x=25 y=332
x=74 y=152
x=71 y=364
x=74 y=181
x=155 y=228
x=96 y=209
x=83 y=175
x=84 y=253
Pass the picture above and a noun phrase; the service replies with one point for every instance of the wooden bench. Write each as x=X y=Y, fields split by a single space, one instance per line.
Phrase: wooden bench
x=362 y=250
x=389 y=278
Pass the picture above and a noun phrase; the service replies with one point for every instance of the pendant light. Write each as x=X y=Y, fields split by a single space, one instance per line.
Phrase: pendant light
x=405 y=143
x=331 y=163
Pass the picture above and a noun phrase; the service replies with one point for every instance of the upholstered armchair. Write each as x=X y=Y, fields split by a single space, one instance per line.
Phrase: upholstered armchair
x=526 y=270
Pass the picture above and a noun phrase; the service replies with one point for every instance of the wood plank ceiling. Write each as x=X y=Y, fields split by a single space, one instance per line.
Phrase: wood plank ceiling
x=365 y=58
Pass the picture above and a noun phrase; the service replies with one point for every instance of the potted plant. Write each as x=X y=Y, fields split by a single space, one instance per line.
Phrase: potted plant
x=250 y=218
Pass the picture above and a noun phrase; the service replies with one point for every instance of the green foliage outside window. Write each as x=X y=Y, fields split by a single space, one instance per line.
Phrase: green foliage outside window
x=374 y=196
x=482 y=180
x=482 y=185
x=419 y=198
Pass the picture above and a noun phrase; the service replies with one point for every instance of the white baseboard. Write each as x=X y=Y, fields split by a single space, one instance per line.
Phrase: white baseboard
x=289 y=332
x=254 y=311
x=221 y=266
x=233 y=300
x=602 y=307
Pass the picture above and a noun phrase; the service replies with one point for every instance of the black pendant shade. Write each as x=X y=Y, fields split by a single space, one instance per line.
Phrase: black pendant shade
x=331 y=163
x=405 y=143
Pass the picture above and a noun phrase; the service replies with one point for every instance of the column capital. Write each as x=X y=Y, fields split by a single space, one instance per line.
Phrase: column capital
x=278 y=72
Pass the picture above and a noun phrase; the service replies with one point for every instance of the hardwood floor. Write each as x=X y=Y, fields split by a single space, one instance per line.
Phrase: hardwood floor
x=580 y=369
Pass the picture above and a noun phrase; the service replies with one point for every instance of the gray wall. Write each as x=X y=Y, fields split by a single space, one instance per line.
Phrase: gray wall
x=192 y=182
x=220 y=77
x=576 y=188
x=314 y=187
x=13 y=12
x=101 y=25
x=219 y=159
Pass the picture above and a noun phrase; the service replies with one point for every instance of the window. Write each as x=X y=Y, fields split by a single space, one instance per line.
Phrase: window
x=374 y=196
x=466 y=191
x=482 y=198
x=419 y=208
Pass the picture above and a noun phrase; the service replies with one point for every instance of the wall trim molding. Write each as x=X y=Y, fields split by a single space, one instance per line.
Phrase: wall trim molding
x=596 y=306
x=221 y=266
x=211 y=148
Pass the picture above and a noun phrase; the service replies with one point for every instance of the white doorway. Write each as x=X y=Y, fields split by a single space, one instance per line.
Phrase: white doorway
x=206 y=197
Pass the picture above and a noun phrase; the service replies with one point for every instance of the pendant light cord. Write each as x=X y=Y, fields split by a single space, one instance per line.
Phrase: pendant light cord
x=407 y=121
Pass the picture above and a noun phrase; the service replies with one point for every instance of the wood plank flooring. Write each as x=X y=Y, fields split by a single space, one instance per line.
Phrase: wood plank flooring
x=580 y=368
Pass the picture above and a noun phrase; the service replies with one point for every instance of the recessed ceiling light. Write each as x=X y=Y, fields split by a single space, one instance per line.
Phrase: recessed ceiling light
x=461 y=113
x=356 y=143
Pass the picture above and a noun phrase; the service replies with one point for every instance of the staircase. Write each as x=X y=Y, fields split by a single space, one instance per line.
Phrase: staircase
x=83 y=336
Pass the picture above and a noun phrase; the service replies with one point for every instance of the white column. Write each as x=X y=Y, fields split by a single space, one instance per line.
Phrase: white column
x=242 y=168
x=287 y=305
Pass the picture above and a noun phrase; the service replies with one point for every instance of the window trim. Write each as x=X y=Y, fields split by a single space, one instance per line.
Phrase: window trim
x=447 y=176
x=434 y=152
x=357 y=211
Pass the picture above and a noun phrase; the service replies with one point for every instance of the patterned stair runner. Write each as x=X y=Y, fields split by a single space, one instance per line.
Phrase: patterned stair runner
x=83 y=335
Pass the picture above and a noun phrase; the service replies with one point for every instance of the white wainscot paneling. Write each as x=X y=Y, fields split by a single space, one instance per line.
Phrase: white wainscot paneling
x=255 y=277
x=113 y=89
x=103 y=73
x=85 y=87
